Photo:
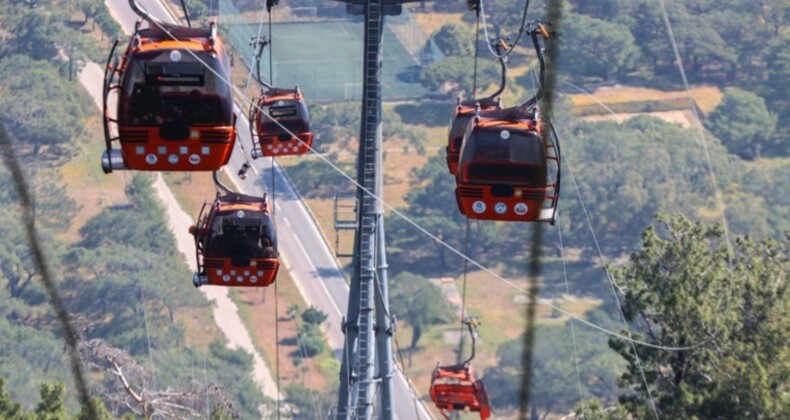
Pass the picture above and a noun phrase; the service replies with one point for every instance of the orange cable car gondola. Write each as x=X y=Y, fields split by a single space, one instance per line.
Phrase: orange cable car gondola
x=508 y=169
x=281 y=123
x=236 y=242
x=454 y=388
x=280 y=120
x=465 y=109
x=175 y=109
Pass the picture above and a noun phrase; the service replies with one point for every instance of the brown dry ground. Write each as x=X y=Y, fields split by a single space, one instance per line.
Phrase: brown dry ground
x=683 y=118
x=256 y=307
x=707 y=97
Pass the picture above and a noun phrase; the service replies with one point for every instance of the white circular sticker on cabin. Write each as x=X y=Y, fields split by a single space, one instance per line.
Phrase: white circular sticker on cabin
x=504 y=134
x=478 y=207
x=500 y=208
x=240 y=214
x=520 y=209
x=175 y=55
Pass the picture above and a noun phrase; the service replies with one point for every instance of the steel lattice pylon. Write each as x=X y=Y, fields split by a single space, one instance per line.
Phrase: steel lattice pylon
x=367 y=353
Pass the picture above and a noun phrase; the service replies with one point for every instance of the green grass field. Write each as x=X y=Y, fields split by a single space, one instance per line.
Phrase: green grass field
x=325 y=59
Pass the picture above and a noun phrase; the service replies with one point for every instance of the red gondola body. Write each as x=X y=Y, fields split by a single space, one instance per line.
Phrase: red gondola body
x=173 y=113
x=508 y=171
x=454 y=388
x=236 y=243
x=288 y=108
x=462 y=116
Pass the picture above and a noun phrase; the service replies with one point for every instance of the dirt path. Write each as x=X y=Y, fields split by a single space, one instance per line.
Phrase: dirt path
x=226 y=313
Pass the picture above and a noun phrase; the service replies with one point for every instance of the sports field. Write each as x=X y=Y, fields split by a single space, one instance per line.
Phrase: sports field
x=325 y=59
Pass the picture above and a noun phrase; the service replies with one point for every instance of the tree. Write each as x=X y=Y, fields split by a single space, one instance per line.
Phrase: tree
x=593 y=410
x=455 y=75
x=197 y=9
x=553 y=376
x=418 y=302
x=89 y=8
x=313 y=315
x=51 y=406
x=37 y=125
x=311 y=340
x=590 y=47
x=776 y=91
x=601 y=9
x=727 y=309
x=455 y=40
x=434 y=208
x=310 y=403
x=9 y=409
x=629 y=172
x=99 y=410
x=742 y=122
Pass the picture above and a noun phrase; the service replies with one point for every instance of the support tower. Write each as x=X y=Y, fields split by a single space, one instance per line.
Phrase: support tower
x=367 y=355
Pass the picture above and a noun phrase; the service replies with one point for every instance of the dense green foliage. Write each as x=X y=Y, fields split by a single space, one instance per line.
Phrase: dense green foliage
x=553 y=375
x=51 y=405
x=339 y=124
x=597 y=48
x=454 y=76
x=43 y=130
x=40 y=54
x=743 y=123
x=687 y=288
x=308 y=403
x=434 y=208
x=313 y=315
x=418 y=302
x=310 y=338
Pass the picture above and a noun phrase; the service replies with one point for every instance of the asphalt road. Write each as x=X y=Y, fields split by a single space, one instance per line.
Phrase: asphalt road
x=302 y=247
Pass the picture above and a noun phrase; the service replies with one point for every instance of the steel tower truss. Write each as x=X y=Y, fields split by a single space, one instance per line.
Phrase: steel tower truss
x=367 y=354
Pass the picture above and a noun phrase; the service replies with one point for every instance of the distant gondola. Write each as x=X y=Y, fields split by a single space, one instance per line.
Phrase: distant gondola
x=281 y=123
x=455 y=388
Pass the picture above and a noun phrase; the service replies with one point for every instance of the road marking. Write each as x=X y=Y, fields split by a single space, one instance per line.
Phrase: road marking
x=320 y=280
x=285 y=219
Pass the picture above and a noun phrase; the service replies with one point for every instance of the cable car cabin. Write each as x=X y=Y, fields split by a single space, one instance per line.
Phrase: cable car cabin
x=236 y=243
x=283 y=128
x=463 y=114
x=506 y=172
x=454 y=388
x=174 y=110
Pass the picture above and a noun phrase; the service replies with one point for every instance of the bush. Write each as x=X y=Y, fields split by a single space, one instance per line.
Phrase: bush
x=311 y=340
x=313 y=315
x=108 y=25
